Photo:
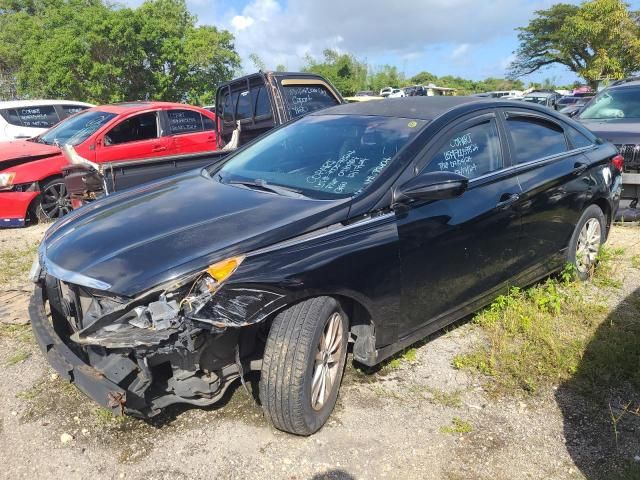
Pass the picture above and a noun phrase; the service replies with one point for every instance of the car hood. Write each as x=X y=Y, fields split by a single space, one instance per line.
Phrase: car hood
x=138 y=239
x=17 y=152
x=618 y=132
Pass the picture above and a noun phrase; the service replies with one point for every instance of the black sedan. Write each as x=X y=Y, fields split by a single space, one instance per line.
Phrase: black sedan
x=375 y=223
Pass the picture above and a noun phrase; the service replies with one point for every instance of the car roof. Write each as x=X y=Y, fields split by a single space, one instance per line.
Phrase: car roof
x=422 y=108
x=132 y=107
x=37 y=103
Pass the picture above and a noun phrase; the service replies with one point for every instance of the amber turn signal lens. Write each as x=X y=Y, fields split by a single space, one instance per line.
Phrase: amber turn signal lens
x=222 y=270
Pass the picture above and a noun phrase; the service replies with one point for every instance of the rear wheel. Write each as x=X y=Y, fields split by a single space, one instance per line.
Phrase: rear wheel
x=54 y=201
x=587 y=238
x=303 y=364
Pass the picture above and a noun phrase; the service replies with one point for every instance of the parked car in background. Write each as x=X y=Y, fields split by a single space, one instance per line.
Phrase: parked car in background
x=397 y=93
x=614 y=115
x=364 y=93
x=386 y=91
x=373 y=222
x=546 y=98
x=28 y=118
x=574 y=108
x=246 y=108
x=160 y=136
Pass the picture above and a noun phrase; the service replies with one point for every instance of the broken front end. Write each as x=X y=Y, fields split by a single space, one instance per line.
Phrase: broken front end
x=179 y=344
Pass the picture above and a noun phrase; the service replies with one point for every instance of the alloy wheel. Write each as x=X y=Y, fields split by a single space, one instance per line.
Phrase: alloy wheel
x=588 y=246
x=327 y=362
x=55 y=202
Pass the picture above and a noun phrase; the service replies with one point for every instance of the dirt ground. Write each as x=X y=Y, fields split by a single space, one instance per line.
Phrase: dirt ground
x=416 y=418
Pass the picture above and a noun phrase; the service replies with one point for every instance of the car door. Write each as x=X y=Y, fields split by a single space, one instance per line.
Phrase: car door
x=551 y=174
x=191 y=131
x=132 y=144
x=456 y=251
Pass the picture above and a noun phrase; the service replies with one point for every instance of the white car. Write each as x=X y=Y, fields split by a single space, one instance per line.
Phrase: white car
x=397 y=93
x=28 y=118
x=386 y=91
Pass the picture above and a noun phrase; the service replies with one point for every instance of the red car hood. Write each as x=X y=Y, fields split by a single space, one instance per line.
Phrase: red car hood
x=18 y=152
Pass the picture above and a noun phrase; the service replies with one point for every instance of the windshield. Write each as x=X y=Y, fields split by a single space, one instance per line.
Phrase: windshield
x=323 y=156
x=613 y=104
x=76 y=129
x=538 y=100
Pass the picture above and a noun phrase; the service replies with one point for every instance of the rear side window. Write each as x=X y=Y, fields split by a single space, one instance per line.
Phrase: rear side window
x=577 y=139
x=263 y=104
x=68 y=110
x=472 y=152
x=184 y=121
x=134 y=129
x=11 y=116
x=305 y=99
x=243 y=110
x=34 y=117
x=535 y=138
x=229 y=106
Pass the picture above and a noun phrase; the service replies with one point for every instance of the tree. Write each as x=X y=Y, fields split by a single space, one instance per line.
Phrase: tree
x=96 y=51
x=597 y=39
x=424 y=78
x=346 y=73
x=258 y=63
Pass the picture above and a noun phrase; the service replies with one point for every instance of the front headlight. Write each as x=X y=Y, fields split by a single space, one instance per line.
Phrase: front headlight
x=6 y=180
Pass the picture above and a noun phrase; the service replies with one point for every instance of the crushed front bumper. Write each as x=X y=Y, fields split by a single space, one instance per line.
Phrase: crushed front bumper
x=68 y=365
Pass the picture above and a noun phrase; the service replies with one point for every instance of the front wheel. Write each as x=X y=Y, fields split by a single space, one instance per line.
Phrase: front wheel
x=303 y=364
x=54 y=201
x=587 y=238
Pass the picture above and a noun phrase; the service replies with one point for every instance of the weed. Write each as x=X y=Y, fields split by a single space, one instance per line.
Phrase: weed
x=635 y=261
x=16 y=262
x=407 y=355
x=446 y=399
x=18 y=358
x=457 y=426
x=16 y=332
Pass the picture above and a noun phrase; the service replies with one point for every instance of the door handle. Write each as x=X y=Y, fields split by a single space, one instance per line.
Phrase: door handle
x=579 y=168
x=507 y=199
x=158 y=148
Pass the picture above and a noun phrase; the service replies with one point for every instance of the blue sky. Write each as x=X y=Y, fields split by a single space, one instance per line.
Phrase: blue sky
x=469 y=38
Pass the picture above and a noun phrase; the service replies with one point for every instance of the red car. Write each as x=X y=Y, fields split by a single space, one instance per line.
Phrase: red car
x=31 y=182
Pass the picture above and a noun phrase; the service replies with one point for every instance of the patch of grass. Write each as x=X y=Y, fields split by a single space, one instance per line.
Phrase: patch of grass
x=604 y=274
x=457 y=426
x=16 y=332
x=635 y=261
x=409 y=355
x=18 y=357
x=535 y=337
x=446 y=399
x=16 y=262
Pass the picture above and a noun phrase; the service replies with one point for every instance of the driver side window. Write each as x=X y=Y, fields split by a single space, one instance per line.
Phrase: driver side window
x=472 y=151
x=134 y=129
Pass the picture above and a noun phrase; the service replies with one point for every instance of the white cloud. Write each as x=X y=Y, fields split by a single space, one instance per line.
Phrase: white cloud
x=240 y=22
x=460 y=51
x=286 y=32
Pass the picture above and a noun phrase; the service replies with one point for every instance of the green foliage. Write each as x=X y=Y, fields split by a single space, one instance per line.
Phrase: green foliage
x=101 y=52
x=346 y=73
x=597 y=39
x=18 y=357
x=457 y=426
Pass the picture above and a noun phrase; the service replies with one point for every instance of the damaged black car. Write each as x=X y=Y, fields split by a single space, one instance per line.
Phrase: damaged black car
x=365 y=226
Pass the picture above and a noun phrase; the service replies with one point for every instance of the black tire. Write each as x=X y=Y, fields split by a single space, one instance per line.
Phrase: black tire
x=593 y=212
x=53 y=202
x=289 y=364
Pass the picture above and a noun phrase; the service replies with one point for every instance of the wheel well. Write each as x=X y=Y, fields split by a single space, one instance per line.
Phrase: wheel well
x=32 y=206
x=606 y=209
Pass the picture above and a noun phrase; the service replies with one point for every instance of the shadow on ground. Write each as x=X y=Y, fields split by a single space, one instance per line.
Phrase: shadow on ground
x=601 y=402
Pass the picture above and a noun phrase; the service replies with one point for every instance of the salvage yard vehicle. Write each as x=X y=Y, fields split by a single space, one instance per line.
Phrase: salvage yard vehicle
x=165 y=135
x=247 y=107
x=547 y=98
x=376 y=223
x=28 y=118
x=614 y=115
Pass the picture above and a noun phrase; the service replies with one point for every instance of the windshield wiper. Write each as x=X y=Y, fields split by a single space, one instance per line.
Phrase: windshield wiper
x=262 y=185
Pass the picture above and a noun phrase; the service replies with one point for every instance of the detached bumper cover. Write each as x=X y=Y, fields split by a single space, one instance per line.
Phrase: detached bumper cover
x=69 y=366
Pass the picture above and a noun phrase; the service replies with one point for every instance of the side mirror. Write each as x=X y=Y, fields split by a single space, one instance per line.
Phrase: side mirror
x=432 y=186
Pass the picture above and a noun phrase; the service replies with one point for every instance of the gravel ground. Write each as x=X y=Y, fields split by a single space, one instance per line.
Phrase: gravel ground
x=388 y=424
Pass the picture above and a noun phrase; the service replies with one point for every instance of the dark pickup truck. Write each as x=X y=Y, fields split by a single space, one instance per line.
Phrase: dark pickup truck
x=246 y=108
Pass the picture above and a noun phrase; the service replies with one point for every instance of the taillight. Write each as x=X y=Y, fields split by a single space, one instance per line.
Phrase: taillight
x=618 y=162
